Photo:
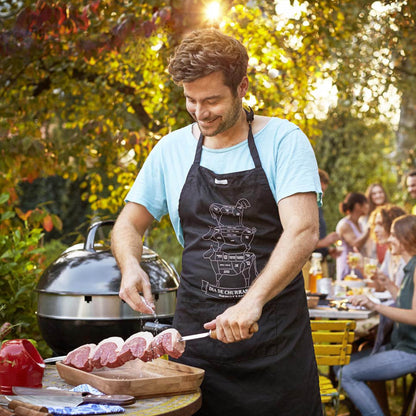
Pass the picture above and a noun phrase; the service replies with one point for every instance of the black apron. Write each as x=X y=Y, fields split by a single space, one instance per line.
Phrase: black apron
x=230 y=225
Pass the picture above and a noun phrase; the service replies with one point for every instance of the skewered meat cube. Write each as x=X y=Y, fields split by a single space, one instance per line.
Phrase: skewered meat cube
x=137 y=346
x=81 y=357
x=107 y=353
x=168 y=342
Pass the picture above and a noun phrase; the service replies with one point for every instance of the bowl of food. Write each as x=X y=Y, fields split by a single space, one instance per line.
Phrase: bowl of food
x=313 y=301
x=353 y=281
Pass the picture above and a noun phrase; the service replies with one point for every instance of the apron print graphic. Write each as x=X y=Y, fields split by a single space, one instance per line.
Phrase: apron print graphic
x=230 y=233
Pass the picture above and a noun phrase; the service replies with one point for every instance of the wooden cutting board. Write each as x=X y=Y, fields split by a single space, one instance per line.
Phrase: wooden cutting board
x=155 y=378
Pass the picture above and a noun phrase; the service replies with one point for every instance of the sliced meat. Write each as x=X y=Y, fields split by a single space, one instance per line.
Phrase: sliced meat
x=168 y=342
x=157 y=346
x=137 y=346
x=81 y=357
x=107 y=353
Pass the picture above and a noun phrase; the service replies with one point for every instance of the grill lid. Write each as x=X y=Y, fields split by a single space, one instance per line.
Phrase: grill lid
x=91 y=269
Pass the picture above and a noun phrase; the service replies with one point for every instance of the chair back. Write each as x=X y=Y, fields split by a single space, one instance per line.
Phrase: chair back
x=332 y=341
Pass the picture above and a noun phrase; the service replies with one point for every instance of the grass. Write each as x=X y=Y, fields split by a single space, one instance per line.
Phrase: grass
x=395 y=398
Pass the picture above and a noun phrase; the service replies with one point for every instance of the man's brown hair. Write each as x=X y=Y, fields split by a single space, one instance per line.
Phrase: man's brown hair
x=206 y=51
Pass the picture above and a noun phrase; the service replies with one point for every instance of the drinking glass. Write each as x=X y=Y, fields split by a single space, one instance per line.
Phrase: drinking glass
x=353 y=260
x=370 y=267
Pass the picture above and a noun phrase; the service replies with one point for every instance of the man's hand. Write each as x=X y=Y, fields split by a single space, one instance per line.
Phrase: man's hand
x=132 y=284
x=236 y=323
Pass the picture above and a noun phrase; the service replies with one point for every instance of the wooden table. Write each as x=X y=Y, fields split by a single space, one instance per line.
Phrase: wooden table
x=326 y=312
x=179 y=405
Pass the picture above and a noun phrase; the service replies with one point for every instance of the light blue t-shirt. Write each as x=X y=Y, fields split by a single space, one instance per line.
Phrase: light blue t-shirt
x=285 y=153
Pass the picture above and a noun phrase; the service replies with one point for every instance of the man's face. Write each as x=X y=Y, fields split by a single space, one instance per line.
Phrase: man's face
x=212 y=104
x=411 y=186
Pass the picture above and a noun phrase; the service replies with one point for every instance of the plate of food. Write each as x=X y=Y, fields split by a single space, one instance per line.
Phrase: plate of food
x=352 y=281
x=386 y=295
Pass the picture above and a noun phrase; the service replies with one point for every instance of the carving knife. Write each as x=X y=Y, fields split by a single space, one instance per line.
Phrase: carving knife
x=213 y=334
x=59 y=398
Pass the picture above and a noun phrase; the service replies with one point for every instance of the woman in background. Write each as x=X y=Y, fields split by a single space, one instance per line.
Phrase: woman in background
x=399 y=356
x=376 y=196
x=352 y=235
x=389 y=275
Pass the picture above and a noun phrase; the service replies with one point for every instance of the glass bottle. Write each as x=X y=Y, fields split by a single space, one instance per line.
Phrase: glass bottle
x=315 y=272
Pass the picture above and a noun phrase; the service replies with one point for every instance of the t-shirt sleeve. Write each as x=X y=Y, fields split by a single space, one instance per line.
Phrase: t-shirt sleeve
x=149 y=187
x=296 y=167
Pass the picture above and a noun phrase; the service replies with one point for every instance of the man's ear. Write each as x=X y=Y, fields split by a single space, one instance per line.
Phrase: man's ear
x=243 y=87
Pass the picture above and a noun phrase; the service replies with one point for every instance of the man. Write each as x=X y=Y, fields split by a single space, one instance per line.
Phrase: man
x=411 y=187
x=245 y=210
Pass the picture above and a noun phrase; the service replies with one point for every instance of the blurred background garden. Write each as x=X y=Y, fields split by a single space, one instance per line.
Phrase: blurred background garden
x=85 y=95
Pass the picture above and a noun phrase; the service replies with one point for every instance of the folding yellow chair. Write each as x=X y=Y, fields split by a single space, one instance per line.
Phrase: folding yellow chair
x=333 y=345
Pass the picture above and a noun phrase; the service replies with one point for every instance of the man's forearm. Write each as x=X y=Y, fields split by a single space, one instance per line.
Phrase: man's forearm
x=126 y=245
x=286 y=260
x=127 y=248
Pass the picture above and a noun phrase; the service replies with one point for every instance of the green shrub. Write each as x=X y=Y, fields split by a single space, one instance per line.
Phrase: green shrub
x=21 y=264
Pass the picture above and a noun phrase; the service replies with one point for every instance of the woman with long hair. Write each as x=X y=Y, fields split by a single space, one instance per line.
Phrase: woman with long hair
x=376 y=196
x=390 y=273
x=399 y=356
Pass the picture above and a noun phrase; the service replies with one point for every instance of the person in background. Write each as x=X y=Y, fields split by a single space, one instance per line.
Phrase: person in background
x=325 y=240
x=324 y=245
x=411 y=187
x=390 y=273
x=353 y=237
x=397 y=358
x=241 y=191
x=376 y=196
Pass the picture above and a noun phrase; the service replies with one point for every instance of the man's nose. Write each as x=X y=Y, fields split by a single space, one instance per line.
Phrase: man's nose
x=201 y=111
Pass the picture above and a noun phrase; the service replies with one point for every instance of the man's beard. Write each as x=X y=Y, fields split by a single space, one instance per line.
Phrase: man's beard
x=229 y=121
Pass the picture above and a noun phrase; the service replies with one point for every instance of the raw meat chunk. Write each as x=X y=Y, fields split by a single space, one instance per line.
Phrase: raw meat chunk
x=136 y=346
x=168 y=342
x=107 y=353
x=81 y=357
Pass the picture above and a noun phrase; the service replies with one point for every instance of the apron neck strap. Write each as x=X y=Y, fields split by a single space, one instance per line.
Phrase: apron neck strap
x=250 y=139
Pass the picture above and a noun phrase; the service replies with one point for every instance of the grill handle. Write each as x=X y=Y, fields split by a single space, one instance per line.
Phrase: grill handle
x=155 y=327
x=89 y=241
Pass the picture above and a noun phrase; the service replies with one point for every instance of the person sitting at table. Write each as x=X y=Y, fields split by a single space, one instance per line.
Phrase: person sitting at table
x=353 y=237
x=390 y=274
x=376 y=196
x=397 y=358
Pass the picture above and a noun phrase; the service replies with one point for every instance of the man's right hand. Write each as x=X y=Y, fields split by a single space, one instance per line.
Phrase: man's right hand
x=133 y=283
x=126 y=245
